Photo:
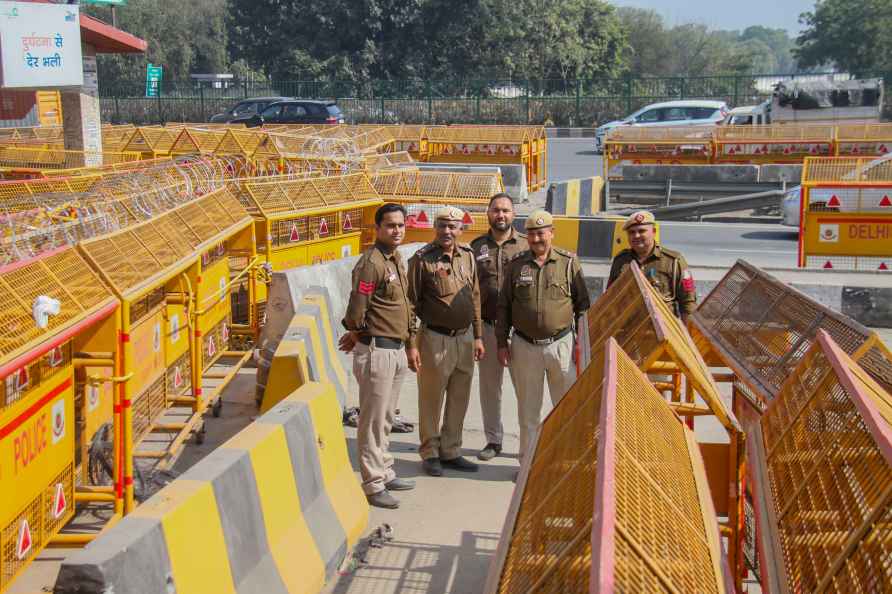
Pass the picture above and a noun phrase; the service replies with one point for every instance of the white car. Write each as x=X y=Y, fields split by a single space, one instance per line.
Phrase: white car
x=692 y=112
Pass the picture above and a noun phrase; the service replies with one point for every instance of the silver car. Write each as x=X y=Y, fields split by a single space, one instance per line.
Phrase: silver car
x=670 y=113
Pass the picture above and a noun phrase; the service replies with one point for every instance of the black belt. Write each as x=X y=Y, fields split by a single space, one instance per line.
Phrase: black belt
x=382 y=342
x=446 y=331
x=544 y=341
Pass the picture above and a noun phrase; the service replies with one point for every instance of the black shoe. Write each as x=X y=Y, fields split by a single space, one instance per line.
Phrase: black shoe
x=382 y=499
x=399 y=484
x=490 y=451
x=432 y=466
x=461 y=464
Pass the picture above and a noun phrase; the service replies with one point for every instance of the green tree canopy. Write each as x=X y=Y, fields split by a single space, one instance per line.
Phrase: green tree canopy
x=852 y=35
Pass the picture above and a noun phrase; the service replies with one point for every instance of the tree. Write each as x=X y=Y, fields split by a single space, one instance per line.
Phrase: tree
x=183 y=41
x=557 y=39
x=851 y=35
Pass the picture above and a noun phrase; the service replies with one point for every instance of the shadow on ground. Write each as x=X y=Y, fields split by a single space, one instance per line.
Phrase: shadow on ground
x=420 y=568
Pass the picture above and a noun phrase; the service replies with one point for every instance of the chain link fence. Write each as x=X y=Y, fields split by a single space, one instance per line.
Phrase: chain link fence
x=579 y=102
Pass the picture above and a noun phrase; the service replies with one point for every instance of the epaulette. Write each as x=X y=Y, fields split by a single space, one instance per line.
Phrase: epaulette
x=519 y=255
x=670 y=253
x=425 y=249
x=564 y=252
x=479 y=238
x=465 y=246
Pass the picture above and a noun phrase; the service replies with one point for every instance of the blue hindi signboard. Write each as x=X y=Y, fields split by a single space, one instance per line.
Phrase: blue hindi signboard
x=153 y=80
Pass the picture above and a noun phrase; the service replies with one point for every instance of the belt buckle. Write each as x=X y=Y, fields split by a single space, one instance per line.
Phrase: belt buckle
x=544 y=341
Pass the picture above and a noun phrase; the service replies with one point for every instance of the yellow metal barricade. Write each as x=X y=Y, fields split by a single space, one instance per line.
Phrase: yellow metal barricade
x=863 y=140
x=424 y=192
x=670 y=145
x=773 y=144
x=846 y=214
x=191 y=141
x=312 y=220
x=52 y=398
x=151 y=142
x=614 y=497
x=171 y=274
x=823 y=464
x=514 y=145
x=16 y=162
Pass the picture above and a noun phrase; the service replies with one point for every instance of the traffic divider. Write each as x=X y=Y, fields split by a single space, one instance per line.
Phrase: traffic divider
x=576 y=197
x=588 y=237
x=311 y=328
x=275 y=509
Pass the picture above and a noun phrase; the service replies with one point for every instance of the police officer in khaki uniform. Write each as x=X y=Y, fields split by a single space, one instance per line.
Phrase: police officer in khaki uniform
x=380 y=323
x=444 y=290
x=542 y=298
x=493 y=251
x=666 y=270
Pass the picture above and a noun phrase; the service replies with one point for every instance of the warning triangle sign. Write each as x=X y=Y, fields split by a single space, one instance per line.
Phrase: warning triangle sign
x=883 y=150
x=177 y=377
x=59 y=503
x=224 y=333
x=422 y=217
x=732 y=150
x=828 y=264
x=323 y=226
x=883 y=266
x=834 y=201
x=295 y=236
x=56 y=357
x=212 y=348
x=24 y=542
x=467 y=220
x=22 y=378
x=813 y=150
x=885 y=201
x=347 y=225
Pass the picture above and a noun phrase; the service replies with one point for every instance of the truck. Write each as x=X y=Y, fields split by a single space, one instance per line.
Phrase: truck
x=856 y=101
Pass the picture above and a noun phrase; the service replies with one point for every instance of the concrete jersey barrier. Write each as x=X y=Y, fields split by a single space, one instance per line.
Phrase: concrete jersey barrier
x=274 y=510
x=576 y=197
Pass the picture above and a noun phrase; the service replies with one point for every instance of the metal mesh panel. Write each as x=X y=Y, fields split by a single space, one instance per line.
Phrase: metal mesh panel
x=847 y=170
x=475 y=188
x=827 y=441
x=148 y=407
x=38 y=514
x=655 y=519
x=762 y=327
x=558 y=498
x=64 y=276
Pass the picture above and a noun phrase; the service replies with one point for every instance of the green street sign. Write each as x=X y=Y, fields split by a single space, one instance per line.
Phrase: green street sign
x=153 y=80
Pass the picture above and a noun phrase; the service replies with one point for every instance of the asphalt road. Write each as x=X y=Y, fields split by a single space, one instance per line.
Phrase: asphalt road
x=703 y=244
x=571 y=158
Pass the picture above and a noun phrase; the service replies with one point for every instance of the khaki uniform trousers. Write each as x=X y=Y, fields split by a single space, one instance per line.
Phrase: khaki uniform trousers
x=531 y=365
x=447 y=366
x=380 y=374
x=491 y=375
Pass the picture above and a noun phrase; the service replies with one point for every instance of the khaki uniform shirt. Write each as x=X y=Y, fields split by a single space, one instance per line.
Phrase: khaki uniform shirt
x=667 y=272
x=379 y=305
x=492 y=261
x=444 y=290
x=540 y=302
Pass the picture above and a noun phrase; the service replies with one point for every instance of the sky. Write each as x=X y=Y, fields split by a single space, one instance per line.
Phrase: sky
x=783 y=14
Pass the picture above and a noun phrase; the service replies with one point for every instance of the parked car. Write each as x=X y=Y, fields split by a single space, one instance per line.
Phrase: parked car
x=296 y=111
x=245 y=109
x=669 y=113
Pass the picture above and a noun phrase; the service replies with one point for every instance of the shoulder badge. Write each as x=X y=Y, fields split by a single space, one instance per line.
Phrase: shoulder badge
x=519 y=255
x=564 y=252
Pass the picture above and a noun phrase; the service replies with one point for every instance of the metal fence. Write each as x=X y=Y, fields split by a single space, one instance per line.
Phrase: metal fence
x=574 y=102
